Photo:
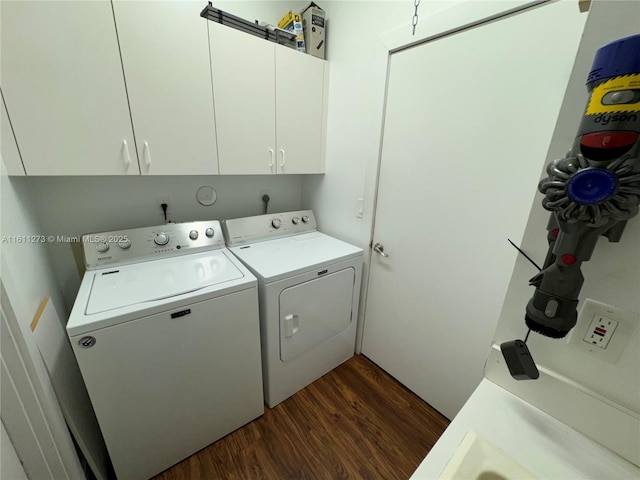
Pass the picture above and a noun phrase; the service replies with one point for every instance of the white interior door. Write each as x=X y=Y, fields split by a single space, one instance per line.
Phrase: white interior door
x=468 y=122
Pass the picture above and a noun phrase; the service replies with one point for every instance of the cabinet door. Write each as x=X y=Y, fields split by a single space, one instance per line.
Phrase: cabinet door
x=62 y=82
x=243 y=69
x=300 y=81
x=165 y=54
x=10 y=152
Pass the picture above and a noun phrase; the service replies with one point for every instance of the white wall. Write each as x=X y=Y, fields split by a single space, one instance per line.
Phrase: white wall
x=73 y=206
x=28 y=277
x=611 y=276
x=27 y=263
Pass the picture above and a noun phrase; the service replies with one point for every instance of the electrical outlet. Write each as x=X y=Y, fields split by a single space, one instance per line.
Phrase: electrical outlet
x=600 y=331
x=603 y=331
x=264 y=192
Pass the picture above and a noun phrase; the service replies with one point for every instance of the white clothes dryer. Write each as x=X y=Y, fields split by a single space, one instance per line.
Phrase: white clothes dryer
x=166 y=333
x=308 y=290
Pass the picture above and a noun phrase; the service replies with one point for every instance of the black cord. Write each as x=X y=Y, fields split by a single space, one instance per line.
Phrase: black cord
x=525 y=255
x=164 y=209
x=527 y=336
x=265 y=200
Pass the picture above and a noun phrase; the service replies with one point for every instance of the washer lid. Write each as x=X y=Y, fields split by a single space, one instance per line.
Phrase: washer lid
x=280 y=258
x=148 y=281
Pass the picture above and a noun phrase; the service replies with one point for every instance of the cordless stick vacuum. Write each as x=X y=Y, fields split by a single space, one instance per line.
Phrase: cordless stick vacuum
x=592 y=192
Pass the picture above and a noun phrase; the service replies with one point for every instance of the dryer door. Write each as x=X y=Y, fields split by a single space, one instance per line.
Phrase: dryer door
x=314 y=311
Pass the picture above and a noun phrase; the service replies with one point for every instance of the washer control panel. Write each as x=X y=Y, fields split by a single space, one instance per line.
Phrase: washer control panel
x=122 y=247
x=240 y=231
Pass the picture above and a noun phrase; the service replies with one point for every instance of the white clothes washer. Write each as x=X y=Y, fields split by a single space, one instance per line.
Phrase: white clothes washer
x=166 y=333
x=308 y=289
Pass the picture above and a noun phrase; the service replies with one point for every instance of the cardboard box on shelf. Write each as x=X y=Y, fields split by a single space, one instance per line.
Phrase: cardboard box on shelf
x=292 y=22
x=314 y=29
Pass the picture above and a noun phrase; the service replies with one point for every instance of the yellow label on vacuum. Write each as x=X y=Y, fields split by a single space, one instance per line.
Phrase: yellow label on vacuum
x=604 y=101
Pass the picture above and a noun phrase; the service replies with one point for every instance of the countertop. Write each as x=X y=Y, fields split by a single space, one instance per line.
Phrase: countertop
x=546 y=447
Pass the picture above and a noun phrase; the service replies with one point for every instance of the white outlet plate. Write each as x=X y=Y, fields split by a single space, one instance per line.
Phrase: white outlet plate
x=617 y=339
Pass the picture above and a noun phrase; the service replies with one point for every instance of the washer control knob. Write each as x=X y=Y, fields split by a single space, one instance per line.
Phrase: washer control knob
x=193 y=234
x=209 y=232
x=276 y=223
x=295 y=220
x=305 y=219
x=102 y=247
x=161 y=238
x=124 y=243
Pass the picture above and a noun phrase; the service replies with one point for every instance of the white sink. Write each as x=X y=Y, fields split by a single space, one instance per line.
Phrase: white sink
x=477 y=459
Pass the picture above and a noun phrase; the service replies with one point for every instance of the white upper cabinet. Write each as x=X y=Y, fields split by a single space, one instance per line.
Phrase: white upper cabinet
x=63 y=86
x=300 y=82
x=165 y=55
x=80 y=78
x=243 y=69
x=270 y=104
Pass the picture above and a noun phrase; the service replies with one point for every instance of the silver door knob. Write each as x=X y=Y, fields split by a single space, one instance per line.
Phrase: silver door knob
x=378 y=247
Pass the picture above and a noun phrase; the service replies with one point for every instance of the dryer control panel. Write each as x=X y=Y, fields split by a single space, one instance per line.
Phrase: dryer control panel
x=122 y=247
x=240 y=231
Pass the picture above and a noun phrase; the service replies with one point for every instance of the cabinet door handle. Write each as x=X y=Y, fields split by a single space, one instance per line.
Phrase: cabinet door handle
x=282 y=161
x=271 y=155
x=146 y=154
x=125 y=154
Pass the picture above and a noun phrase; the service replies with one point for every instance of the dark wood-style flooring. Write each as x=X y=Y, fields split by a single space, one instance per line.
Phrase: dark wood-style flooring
x=356 y=422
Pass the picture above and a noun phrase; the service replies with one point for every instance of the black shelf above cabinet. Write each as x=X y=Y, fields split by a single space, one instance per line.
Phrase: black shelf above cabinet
x=278 y=36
